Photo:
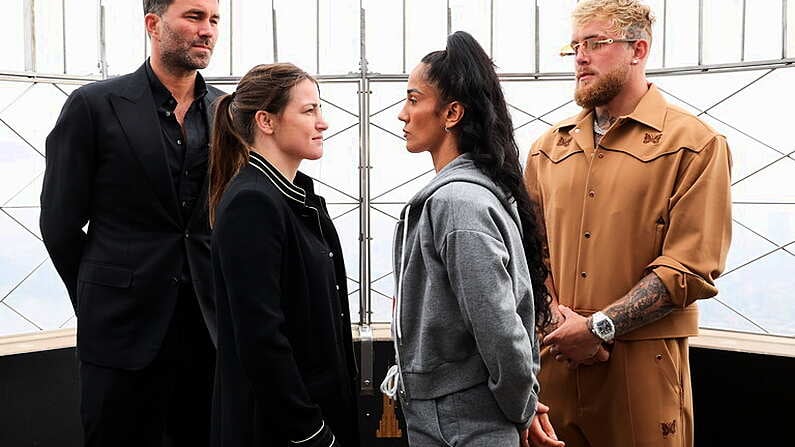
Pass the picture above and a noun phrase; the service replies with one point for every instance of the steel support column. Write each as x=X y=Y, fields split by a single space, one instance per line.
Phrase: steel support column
x=365 y=237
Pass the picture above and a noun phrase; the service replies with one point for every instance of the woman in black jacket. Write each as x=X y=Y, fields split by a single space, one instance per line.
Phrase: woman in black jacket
x=285 y=371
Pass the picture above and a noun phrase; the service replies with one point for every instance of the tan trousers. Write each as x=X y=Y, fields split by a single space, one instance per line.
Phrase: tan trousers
x=641 y=397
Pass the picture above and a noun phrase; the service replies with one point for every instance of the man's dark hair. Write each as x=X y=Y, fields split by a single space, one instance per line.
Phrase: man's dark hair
x=156 y=6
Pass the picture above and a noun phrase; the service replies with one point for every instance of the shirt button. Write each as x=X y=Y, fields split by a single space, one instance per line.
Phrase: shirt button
x=584 y=274
x=174 y=280
x=331 y=254
x=184 y=204
x=601 y=155
x=168 y=113
x=337 y=286
x=187 y=235
x=187 y=173
x=179 y=141
x=591 y=194
x=587 y=235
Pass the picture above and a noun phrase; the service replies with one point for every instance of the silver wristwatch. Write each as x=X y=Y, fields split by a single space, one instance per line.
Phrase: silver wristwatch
x=602 y=326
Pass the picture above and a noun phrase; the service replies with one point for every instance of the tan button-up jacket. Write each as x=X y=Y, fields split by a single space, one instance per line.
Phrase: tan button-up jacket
x=654 y=196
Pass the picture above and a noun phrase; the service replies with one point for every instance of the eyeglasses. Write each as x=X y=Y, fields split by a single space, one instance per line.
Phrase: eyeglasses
x=587 y=46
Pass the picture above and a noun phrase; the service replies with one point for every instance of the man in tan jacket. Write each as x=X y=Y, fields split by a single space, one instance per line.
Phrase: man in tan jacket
x=635 y=198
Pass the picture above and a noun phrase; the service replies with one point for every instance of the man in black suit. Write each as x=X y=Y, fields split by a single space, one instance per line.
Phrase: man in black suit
x=129 y=156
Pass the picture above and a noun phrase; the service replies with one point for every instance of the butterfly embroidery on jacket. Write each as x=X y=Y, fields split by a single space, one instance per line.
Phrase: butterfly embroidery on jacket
x=668 y=428
x=651 y=139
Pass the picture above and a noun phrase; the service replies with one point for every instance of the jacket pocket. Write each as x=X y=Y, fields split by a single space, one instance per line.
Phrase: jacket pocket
x=105 y=275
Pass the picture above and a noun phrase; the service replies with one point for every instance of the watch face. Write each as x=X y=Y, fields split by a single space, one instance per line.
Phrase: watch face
x=603 y=327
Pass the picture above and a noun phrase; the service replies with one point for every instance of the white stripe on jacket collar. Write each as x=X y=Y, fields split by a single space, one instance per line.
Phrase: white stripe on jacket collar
x=284 y=186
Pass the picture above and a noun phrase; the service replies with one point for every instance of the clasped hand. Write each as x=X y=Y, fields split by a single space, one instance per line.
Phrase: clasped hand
x=573 y=343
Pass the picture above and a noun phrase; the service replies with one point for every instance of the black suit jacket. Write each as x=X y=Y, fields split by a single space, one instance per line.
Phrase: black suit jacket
x=106 y=166
x=285 y=357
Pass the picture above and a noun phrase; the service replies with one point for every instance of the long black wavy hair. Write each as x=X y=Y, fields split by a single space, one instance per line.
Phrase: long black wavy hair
x=463 y=72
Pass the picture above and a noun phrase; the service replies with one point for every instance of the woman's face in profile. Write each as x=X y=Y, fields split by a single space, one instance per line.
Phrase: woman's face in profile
x=298 y=130
x=423 y=126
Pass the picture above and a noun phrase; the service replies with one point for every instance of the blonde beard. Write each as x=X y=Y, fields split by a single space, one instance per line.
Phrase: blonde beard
x=602 y=91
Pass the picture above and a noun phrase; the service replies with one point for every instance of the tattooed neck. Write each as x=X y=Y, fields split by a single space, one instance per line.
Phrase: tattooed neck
x=601 y=124
x=604 y=120
x=647 y=302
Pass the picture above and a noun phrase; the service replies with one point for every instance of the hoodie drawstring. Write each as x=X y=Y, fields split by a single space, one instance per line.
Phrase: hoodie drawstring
x=393 y=380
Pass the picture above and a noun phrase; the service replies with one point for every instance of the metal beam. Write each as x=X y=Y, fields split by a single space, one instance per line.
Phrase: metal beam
x=273 y=23
x=231 y=39
x=365 y=237
x=784 y=31
x=29 y=18
x=402 y=77
x=700 y=32
x=63 y=32
x=404 y=37
x=743 y=31
x=664 y=30
x=103 y=49
x=491 y=29
x=537 y=37
x=365 y=312
x=449 y=19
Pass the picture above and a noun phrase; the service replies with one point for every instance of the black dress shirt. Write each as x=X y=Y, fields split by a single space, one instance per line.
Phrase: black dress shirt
x=186 y=146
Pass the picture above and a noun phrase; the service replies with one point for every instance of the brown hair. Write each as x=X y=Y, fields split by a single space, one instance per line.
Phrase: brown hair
x=265 y=87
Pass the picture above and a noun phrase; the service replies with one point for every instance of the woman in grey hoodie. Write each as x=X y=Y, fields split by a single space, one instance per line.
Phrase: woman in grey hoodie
x=468 y=258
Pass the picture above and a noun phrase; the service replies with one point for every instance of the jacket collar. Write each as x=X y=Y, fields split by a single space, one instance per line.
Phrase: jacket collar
x=288 y=189
x=651 y=109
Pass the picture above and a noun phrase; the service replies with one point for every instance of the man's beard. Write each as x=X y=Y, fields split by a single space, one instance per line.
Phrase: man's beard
x=602 y=91
x=175 y=52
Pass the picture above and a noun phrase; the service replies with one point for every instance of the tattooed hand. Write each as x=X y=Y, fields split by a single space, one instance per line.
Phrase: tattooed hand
x=572 y=342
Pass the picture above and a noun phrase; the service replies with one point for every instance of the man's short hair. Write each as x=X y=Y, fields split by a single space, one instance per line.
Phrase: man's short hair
x=157 y=7
x=630 y=19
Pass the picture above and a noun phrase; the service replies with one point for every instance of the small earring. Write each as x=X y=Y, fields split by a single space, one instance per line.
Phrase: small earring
x=447 y=129
x=634 y=61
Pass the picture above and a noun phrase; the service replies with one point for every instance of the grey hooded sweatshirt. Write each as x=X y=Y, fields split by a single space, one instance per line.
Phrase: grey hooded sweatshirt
x=464 y=305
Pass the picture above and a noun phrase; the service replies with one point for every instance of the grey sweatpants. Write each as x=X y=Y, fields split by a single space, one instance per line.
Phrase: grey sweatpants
x=467 y=418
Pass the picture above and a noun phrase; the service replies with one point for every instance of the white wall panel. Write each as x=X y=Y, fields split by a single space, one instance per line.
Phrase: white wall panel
x=514 y=36
x=474 y=17
x=12 y=33
x=49 y=36
x=426 y=29
x=681 y=30
x=384 y=36
x=555 y=31
x=222 y=53
x=723 y=31
x=252 y=34
x=763 y=30
x=339 y=36
x=82 y=37
x=297 y=32
x=125 y=36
